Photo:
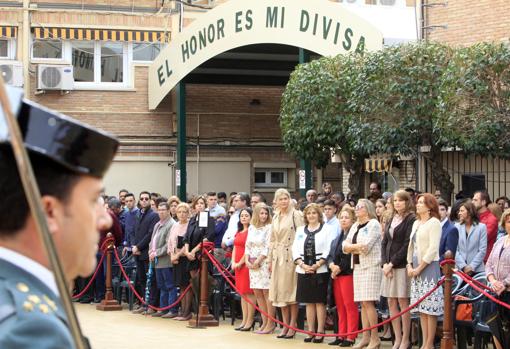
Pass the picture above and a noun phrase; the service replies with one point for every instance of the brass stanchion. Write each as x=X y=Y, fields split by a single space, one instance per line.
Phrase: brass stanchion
x=203 y=317
x=448 y=339
x=109 y=303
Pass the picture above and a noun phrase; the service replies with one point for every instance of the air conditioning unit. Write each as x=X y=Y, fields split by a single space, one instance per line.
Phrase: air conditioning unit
x=12 y=72
x=55 y=77
x=396 y=3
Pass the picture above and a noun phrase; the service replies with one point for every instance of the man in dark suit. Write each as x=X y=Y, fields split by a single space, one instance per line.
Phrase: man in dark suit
x=144 y=226
x=449 y=234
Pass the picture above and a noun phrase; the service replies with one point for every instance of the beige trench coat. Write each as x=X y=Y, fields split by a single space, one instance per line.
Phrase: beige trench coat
x=282 y=289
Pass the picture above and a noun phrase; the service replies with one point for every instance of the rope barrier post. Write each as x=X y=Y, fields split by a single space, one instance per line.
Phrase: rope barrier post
x=204 y=318
x=448 y=335
x=109 y=303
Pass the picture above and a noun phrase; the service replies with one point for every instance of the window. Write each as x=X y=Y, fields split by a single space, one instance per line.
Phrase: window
x=47 y=49
x=147 y=51
x=112 y=61
x=83 y=60
x=4 y=48
x=270 y=177
x=7 y=48
x=99 y=62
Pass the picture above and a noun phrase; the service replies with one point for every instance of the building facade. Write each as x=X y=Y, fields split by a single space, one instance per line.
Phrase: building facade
x=90 y=58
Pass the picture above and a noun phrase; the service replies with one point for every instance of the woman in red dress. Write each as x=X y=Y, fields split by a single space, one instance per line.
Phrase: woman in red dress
x=242 y=275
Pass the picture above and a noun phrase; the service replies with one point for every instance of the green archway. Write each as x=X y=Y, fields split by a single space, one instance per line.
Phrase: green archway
x=321 y=26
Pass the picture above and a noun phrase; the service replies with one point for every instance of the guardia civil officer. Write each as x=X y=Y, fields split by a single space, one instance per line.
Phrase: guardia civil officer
x=69 y=159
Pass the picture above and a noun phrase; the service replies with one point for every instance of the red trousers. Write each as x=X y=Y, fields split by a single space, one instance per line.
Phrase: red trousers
x=347 y=310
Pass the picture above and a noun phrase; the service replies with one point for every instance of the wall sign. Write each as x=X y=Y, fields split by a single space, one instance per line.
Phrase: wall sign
x=321 y=26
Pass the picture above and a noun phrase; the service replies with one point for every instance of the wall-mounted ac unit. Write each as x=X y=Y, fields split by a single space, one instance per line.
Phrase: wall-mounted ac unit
x=12 y=72
x=55 y=77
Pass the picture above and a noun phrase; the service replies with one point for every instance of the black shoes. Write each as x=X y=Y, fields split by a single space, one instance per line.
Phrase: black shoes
x=318 y=339
x=337 y=341
x=347 y=343
x=308 y=339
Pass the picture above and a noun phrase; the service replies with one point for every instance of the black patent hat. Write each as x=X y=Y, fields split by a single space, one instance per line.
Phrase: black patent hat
x=77 y=146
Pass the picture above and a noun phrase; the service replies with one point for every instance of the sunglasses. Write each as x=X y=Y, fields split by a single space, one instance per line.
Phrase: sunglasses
x=359 y=207
x=144 y=199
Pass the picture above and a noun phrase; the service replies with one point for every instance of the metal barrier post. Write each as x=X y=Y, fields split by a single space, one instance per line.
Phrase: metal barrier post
x=109 y=303
x=448 y=334
x=204 y=317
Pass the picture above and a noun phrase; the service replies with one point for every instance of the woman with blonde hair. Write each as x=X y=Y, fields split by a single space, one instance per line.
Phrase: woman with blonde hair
x=173 y=201
x=364 y=243
x=178 y=258
x=257 y=249
x=310 y=252
x=395 y=282
x=282 y=288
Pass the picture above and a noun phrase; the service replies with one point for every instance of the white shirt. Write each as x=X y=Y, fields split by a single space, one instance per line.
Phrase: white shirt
x=228 y=237
x=29 y=265
x=334 y=223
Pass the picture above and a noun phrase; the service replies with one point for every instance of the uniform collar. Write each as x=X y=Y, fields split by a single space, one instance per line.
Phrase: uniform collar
x=30 y=266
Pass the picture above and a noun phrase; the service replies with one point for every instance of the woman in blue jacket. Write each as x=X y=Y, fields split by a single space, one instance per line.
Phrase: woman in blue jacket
x=472 y=240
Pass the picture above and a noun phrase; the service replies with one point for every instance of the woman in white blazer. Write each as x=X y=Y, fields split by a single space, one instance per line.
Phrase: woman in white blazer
x=423 y=265
x=472 y=245
x=310 y=252
x=364 y=242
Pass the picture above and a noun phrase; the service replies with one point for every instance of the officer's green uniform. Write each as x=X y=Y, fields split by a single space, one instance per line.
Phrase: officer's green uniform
x=31 y=314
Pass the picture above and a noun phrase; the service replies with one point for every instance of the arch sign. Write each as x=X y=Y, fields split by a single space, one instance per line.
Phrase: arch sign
x=321 y=26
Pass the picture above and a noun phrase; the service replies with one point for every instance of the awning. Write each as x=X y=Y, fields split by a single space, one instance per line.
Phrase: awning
x=378 y=165
x=8 y=32
x=100 y=34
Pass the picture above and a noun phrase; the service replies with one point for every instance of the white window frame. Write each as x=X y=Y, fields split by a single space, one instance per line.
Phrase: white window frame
x=11 y=49
x=132 y=52
x=97 y=84
x=65 y=46
x=268 y=183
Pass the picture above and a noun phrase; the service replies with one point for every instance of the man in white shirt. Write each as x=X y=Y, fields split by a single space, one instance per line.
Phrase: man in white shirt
x=241 y=200
x=331 y=219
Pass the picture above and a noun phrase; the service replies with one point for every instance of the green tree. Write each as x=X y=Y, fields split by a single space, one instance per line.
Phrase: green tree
x=413 y=84
x=476 y=99
x=316 y=115
x=398 y=100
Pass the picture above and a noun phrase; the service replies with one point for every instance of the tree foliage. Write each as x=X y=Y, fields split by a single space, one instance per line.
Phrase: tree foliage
x=396 y=100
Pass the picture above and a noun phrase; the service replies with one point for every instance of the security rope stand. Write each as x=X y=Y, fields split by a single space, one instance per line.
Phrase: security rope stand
x=33 y=196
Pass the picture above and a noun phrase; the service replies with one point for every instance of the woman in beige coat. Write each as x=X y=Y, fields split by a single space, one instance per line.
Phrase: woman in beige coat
x=282 y=290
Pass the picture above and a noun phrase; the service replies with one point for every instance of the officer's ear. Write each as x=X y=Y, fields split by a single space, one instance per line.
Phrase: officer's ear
x=54 y=211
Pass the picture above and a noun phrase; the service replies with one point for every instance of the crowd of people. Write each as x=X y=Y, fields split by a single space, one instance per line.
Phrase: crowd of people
x=386 y=248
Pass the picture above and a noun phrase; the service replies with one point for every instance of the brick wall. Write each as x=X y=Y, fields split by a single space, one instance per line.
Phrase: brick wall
x=469 y=21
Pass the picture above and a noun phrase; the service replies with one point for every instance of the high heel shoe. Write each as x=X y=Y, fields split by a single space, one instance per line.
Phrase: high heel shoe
x=266 y=332
x=290 y=336
x=309 y=339
x=282 y=334
x=377 y=346
x=247 y=329
x=239 y=328
x=319 y=339
x=360 y=345
x=337 y=341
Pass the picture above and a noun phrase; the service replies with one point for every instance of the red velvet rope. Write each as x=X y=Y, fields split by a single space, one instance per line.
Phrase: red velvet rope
x=223 y=270
x=479 y=289
x=103 y=248
x=183 y=293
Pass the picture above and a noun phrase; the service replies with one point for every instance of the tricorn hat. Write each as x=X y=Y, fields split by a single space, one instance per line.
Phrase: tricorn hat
x=77 y=146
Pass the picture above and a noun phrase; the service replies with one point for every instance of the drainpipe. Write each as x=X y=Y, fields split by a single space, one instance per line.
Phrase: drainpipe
x=25 y=47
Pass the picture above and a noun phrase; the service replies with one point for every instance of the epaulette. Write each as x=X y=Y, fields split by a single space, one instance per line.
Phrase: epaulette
x=28 y=301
